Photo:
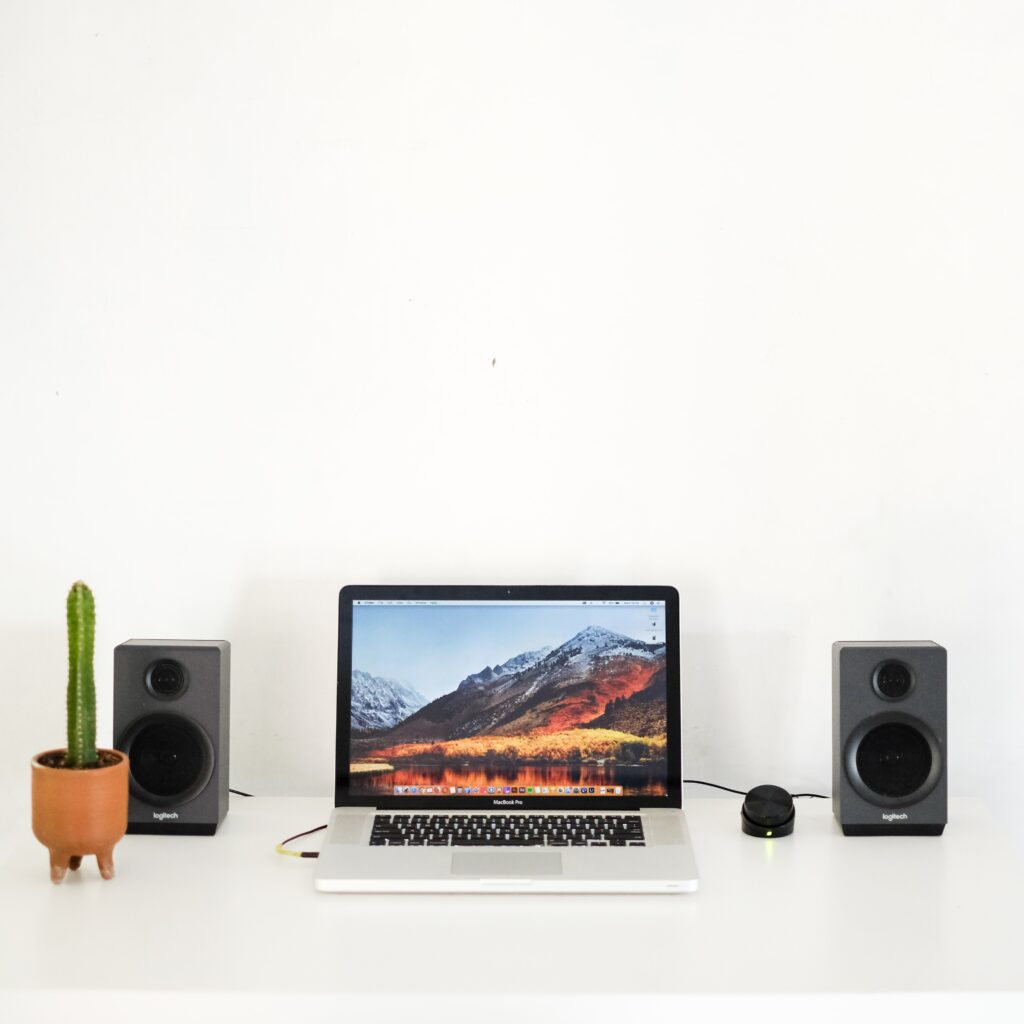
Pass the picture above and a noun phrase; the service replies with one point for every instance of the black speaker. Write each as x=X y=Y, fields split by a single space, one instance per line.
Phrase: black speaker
x=171 y=713
x=889 y=738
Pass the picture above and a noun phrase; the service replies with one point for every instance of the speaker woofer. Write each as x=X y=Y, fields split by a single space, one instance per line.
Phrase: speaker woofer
x=893 y=760
x=170 y=757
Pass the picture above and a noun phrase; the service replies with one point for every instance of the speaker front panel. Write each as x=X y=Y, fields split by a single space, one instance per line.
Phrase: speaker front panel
x=171 y=719
x=889 y=738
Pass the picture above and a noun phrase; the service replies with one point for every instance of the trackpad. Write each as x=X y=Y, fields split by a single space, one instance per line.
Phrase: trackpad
x=506 y=864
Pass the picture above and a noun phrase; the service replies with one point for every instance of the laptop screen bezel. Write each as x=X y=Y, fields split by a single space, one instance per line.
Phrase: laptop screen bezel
x=348 y=594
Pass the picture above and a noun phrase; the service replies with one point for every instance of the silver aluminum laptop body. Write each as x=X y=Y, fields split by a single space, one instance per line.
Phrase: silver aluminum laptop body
x=554 y=708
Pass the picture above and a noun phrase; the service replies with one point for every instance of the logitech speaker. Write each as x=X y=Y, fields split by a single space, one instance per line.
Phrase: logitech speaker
x=171 y=711
x=889 y=738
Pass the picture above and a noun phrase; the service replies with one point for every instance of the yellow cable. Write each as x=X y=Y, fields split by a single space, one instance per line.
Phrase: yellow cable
x=299 y=853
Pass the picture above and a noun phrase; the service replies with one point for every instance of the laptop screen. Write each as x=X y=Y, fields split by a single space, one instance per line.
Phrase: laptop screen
x=512 y=701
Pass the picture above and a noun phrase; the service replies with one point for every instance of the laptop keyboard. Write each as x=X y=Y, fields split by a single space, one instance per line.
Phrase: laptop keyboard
x=507 y=830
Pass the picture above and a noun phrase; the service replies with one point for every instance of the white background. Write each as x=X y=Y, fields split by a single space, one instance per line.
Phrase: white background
x=723 y=295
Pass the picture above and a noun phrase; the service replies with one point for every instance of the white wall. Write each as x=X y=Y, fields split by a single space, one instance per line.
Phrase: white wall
x=725 y=295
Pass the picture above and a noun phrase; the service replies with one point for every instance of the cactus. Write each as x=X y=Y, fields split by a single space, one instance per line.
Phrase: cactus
x=81 y=686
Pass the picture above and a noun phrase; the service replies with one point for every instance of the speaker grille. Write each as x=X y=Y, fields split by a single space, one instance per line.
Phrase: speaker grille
x=170 y=757
x=894 y=759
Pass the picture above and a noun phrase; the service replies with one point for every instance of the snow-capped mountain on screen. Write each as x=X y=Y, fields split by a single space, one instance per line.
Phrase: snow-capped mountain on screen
x=606 y=643
x=548 y=691
x=507 y=668
x=381 y=703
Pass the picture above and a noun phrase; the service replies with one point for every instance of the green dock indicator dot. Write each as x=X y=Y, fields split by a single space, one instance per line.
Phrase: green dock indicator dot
x=768 y=833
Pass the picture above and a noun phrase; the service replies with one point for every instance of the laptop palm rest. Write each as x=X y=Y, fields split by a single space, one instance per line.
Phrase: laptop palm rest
x=502 y=864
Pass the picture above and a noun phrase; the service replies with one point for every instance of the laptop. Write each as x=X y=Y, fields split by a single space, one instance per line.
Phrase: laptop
x=508 y=739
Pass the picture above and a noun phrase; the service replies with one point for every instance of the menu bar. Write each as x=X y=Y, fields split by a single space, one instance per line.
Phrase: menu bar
x=531 y=604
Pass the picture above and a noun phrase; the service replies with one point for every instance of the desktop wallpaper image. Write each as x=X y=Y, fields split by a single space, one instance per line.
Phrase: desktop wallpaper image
x=478 y=700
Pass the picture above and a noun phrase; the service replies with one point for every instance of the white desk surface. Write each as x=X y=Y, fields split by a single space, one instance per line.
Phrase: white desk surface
x=197 y=921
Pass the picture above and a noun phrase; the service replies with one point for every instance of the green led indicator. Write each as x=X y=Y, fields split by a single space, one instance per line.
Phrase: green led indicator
x=769 y=832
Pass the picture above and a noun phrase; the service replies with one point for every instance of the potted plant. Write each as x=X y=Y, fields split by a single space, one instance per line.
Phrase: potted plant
x=80 y=795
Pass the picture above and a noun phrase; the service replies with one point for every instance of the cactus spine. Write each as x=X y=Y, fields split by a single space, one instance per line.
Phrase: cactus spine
x=81 y=685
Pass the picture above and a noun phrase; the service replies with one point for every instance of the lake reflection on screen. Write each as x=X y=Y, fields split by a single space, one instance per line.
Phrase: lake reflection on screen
x=636 y=780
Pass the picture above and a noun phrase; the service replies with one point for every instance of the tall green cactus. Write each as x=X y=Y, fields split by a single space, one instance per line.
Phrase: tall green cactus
x=81 y=686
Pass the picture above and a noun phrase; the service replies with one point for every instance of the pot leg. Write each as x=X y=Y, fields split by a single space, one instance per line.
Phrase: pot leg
x=105 y=859
x=75 y=863
x=58 y=866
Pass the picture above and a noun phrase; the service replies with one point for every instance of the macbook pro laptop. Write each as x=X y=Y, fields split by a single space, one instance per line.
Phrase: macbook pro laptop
x=508 y=739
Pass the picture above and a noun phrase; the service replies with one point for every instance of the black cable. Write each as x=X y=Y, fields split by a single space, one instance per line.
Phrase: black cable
x=715 y=785
x=743 y=792
x=299 y=853
x=280 y=846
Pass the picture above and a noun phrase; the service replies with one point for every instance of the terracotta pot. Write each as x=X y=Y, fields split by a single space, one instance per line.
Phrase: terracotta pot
x=79 y=811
